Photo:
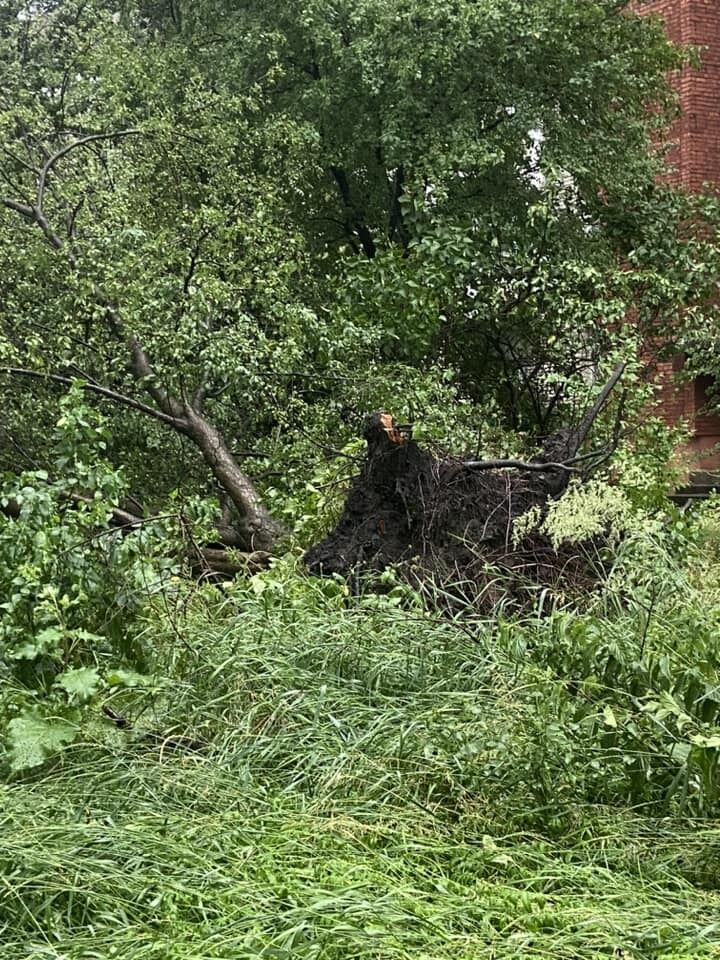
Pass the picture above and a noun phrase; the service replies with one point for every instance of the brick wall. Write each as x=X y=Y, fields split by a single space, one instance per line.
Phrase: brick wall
x=698 y=130
x=694 y=162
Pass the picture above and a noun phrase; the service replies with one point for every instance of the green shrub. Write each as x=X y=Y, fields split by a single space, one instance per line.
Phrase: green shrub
x=71 y=589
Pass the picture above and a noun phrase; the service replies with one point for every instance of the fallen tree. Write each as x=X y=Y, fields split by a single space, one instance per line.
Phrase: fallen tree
x=246 y=523
x=449 y=521
x=444 y=521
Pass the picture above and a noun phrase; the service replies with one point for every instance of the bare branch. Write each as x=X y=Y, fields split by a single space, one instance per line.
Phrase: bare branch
x=141 y=367
x=592 y=414
x=194 y=259
x=24 y=209
x=577 y=437
x=35 y=215
x=64 y=151
x=72 y=217
x=516 y=465
x=602 y=456
x=106 y=392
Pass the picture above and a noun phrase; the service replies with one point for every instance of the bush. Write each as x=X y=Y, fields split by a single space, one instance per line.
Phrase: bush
x=72 y=587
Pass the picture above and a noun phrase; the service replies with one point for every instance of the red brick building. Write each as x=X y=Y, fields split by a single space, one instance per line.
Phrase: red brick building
x=695 y=161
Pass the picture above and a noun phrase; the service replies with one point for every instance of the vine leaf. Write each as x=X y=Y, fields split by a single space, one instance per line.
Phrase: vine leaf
x=80 y=683
x=46 y=642
x=33 y=738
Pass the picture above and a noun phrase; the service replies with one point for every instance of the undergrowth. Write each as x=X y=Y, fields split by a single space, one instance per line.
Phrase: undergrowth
x=310 y=775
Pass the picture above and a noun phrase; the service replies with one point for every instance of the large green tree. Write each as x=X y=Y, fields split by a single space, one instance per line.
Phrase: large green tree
x=229 y=219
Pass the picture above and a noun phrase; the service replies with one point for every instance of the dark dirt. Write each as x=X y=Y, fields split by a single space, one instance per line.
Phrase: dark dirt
x=447 y=525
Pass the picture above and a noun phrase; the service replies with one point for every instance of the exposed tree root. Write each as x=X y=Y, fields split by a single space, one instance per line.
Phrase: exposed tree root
x=448 y=524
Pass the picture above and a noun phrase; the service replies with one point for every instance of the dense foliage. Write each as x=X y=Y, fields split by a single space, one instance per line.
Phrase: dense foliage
x=367 y=780
x=270 y=219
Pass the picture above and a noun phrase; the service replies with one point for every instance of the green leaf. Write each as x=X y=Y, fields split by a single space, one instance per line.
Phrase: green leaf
x=708 y=743
x=46 y=642
x=33 y=738
x=80 y=683
x=609 y=717
x=126 y=678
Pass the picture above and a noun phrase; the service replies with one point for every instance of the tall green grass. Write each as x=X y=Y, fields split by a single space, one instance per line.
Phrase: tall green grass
x=377 y=783
x=140 y=860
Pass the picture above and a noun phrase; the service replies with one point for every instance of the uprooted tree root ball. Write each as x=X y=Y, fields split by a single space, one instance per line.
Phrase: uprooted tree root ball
x=447 y=525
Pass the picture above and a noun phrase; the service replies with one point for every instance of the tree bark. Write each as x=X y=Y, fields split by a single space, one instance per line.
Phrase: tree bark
x=254 y=528
x=257 y=530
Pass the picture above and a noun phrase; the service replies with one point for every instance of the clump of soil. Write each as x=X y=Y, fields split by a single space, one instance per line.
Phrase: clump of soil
x=449 y=523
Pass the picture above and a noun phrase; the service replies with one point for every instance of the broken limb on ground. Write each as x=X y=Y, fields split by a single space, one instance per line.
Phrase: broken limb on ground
x=446 y=524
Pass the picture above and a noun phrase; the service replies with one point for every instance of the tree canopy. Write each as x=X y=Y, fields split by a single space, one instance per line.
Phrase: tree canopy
x=241 y=226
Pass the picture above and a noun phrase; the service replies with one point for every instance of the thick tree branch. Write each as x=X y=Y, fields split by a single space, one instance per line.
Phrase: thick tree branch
x=202 y=392
x=37 y=216
x=572 y=440
x=396 y=222
x=194 y=259
x=354 y=221
x=143 y=371
x=141 y=368
x=592 y=414
x=24 y=209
